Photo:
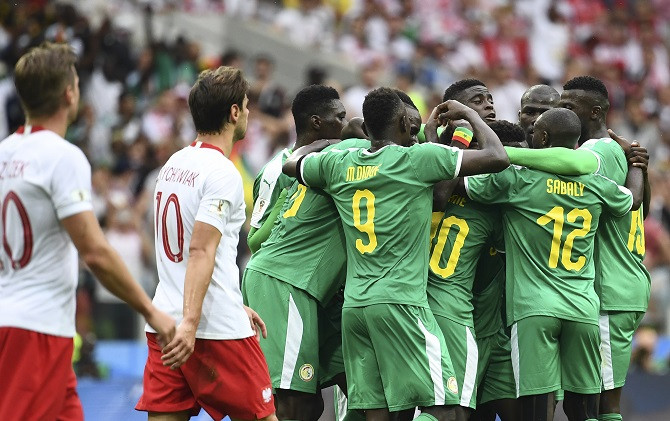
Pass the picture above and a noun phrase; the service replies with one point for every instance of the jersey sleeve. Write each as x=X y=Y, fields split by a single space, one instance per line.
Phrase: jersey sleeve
x=71 y=184
x=492 y=188
x=561 y=161
x=267 y=188
x=221 y=189
x=617 y=200
x=611 y=158
x=433 y=162
x=314 y=169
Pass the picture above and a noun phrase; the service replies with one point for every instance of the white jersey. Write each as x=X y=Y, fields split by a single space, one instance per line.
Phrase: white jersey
x=198 y=183
x=43 y=179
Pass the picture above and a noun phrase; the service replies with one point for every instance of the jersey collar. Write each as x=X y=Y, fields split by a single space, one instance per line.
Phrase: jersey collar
x=199 y=144
x=26 y=130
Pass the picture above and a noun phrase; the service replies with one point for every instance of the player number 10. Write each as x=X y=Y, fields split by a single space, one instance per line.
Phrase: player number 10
x=162 y=227
x=455 y=254
x=557 y=214
x=369 y=226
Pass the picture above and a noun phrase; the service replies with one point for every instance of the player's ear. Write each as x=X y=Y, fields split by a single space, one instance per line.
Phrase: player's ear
x=69 y=95
x=545 y=139
x=596 y=112
x=315 y=121
x=365 y=129
x=402 y=121
x=234 y=113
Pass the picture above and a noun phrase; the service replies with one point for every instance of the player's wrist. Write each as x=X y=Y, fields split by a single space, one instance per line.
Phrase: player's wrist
x=463 y=136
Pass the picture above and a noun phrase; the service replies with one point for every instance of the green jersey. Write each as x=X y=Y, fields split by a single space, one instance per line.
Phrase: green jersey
x=306 y=246
x=384 y=199
x=268 y=186
x=622 y=282
x=464 y=229
x=549 y=225
x=487 y=293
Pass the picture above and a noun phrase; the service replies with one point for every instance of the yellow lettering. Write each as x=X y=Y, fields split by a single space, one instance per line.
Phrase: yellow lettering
x=571 y=189
x=581 y=188
x=557 y=186
x=549 y=185
x=564 y=187
x=350 y=173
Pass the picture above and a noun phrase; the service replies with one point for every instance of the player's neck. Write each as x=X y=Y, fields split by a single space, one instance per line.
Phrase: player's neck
x=223 y=141
x=304 y=140
x=598 y=132
x=56 y=123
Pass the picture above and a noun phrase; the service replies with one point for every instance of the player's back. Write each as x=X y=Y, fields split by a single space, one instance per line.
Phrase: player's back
x=622 y=281
x=198 y=183
x=550 y=223
x=306 y=246
x=384 y=199
x=43 y=179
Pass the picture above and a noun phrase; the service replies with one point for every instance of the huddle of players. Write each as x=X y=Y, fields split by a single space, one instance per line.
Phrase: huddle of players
x=418 y=322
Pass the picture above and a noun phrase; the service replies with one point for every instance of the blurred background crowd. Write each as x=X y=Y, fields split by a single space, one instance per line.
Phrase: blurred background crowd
x=134 y=112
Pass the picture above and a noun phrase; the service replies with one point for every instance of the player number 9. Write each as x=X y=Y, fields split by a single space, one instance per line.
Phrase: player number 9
x=369 y=226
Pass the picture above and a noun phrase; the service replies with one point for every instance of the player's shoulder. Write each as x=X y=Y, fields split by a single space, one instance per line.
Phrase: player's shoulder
x=50 y=146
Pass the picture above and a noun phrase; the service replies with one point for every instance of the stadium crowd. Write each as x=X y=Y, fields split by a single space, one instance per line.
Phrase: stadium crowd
x=134 y=112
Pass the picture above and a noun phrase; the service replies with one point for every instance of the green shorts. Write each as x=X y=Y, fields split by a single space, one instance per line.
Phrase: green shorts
x=616 y=336
x=303 y=348
x=549 y=354
x=396 y=358
x=462 y=346
x=495 y=373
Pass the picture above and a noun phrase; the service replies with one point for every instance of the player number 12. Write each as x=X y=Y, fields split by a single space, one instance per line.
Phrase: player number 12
x=556 y=214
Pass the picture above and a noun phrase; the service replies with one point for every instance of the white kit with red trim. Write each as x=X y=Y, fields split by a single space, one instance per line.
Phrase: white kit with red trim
x=198 y=183
x=43 y=179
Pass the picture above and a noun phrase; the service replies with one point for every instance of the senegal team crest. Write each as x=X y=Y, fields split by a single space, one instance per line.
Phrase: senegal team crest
x=452 y=384
x=306 y=372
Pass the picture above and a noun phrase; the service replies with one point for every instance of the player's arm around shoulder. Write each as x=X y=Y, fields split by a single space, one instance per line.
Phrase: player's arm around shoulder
x=291 y=165
x=106 y=264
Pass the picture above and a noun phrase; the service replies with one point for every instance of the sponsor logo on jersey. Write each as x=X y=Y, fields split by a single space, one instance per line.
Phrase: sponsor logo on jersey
x=267 y=394
x=452 y=384
x=306 y=372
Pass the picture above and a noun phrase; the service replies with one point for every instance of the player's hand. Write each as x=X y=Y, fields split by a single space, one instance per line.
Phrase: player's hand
x=435 y=120
x=181 y=347
x=622 y=141
x=639 y=157
x=163 y=324
x=460 y=123
x=458 y=111
x=257 y=324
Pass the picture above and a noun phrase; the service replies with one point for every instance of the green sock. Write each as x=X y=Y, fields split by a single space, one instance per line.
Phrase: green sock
x=610 y=417
x=425 y=417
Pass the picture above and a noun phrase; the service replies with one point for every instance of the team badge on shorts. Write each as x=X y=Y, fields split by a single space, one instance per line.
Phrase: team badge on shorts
x=452 y=384
x=306 y=372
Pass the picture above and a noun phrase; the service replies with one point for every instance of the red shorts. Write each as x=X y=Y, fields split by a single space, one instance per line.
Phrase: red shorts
x=36 y=377
x=225 y=377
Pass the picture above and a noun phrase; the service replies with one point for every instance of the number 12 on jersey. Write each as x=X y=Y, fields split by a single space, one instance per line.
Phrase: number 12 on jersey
x=557 y=214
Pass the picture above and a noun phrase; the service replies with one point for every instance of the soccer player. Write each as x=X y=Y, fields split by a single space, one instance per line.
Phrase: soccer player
x=294 y=278
x=214 y=360
x=384 y=197
x=622 y=282
x=270 y=180
x=554 y=308
x=47 y=217
x=536 y=100
x=496 y=390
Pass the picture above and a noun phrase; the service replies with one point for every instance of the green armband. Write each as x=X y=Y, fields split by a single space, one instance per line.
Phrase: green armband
x=562 y=161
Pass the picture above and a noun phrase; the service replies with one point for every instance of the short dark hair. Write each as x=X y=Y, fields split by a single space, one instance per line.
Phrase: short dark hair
x=405 y=98
x=380 y=108
x=41 y=77
x=212 y=96
x=457 y=87
x=587 y=83
x=311 y=100
x=509 y=133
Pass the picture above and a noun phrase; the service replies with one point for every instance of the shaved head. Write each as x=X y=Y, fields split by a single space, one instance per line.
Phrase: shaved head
x=536 y=100
x=557 y=127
